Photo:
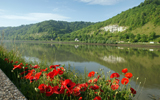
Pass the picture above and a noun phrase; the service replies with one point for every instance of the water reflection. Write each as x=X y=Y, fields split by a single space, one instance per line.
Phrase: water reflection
x=142 y=62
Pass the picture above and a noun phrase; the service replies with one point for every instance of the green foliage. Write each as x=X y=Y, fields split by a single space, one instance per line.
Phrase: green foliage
x=43 y=31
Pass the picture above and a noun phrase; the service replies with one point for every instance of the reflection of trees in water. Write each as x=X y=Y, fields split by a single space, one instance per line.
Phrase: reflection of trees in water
x=141 y=62
x=51 y=52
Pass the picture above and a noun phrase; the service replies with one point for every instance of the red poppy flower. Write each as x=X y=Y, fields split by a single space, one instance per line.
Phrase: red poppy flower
x=58 y=90
x=128 y=75
x=94 y=87
x=114 y=86
x=115 y=81
x=54 y=66
x=23 y=72
x=42 y=88
x=124 y=81
x=6 y=59
x=76 y=91
x=98 y=76
x=11 y=61
x=49 y=90
x=83 y=87
x=97 y=98
x=90 y=74
x=80 y=98
x=26 y=64
x=36 y=77
x=30 y=72
x=35 y=66
x=52 y=73
x=17 y=66
x=62 y=68
x=89 y=81
x=95 y=80
x=124 y=70
x=114 y=75
x=60 y=72
x=68 y=84
x=43 y=70
x=16 y=62
x=133 y=91
x=25 y=68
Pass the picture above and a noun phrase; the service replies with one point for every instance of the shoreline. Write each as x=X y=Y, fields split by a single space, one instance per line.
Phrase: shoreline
x=146 y=45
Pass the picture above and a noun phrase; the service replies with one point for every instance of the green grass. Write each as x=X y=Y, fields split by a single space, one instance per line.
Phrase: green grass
x=147 y=29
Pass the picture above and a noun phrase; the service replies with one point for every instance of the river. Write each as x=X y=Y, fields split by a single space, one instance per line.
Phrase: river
x=141 y=62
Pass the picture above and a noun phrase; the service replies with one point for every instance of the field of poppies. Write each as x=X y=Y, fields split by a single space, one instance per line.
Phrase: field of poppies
x=55 y=82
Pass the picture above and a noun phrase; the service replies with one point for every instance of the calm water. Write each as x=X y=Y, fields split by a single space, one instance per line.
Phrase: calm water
x=142 y=62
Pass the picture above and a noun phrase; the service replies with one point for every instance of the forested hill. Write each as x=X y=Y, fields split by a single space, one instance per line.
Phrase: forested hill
x=45 y=30
x=142 y=24
x=141 y=19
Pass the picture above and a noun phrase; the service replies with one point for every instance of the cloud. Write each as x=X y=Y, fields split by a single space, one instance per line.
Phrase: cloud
x=35 y=17
x=101 y=2
x=1 y=10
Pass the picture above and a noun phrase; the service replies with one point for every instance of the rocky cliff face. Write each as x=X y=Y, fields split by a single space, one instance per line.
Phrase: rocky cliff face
x=114 y=28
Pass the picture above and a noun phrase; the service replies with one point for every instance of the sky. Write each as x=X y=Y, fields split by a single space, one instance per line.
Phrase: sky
x=24 y=12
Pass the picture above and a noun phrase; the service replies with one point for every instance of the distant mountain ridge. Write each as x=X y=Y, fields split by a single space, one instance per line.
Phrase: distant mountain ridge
x=45 y=30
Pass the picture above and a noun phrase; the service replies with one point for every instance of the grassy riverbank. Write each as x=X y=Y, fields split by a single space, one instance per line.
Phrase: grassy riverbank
x=43 y=82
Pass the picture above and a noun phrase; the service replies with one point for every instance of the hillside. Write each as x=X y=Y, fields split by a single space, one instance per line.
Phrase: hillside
x=45 y=30
x=138 y=24
x=141 y=23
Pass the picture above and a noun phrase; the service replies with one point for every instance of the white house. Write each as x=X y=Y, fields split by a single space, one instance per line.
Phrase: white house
x=76 y=39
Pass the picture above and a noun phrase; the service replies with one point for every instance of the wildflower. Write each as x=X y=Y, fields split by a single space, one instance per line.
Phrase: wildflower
x=89 y=81
x=76 y=91
x=6 y=59
x=49 y=90
x=18 y=66
x=114 y=86
x=58 y=90
x=25 y=68
x=54 y=66
x=36 y=77
x=124 y=81
x=80 y=98
x=114 y=75
x=115 y=81
x=95 y=80
x=16 y=62
x=23 y=72
x=42 y=88
x=52 y=73
x=94 y=87
x=124 y=70
x=83 y=87
x=133 y=91
x=128 y=75
x=60 y=72
x=11 y=61
x=68 y=84
x=43 y=70
x=97 y=98
x=35 y=66
x=91 y=74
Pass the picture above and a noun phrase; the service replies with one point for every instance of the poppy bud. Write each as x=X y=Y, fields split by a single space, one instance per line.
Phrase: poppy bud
x=36 y=89
x=18 y=76
x=137 y=78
